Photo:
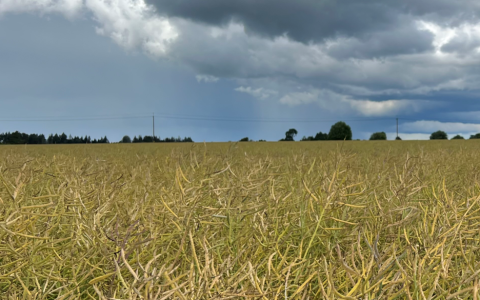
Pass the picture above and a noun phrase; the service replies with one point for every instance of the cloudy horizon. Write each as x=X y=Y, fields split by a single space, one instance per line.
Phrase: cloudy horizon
x=220 y=71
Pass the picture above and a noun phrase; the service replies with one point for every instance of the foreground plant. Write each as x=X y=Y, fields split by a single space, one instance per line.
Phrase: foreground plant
x=362 y=220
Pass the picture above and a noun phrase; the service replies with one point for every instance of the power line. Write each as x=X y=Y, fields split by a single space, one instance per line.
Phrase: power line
x=203 y=118
x=68 y=119
x=183 y=117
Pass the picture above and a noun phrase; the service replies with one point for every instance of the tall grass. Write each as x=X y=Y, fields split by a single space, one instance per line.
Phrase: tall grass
x=313 y=220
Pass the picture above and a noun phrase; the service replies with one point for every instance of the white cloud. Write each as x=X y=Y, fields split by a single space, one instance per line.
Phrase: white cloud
x=465 y=37
x=259 y=93
x=69 y=8
x=385 y=108
x=130 y=23
x=441 y=35
x=300 y=98
x=432 y=126
x=206 y=78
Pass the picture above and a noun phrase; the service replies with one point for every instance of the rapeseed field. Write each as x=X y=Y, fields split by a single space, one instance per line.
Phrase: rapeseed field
x=283 y=220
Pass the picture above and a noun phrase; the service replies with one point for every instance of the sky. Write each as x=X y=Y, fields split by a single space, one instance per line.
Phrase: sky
x=218 y=70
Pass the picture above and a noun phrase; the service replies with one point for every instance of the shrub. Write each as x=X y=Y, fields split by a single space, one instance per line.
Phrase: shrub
x=439 y=135
x=475 y=136
x=378 y=136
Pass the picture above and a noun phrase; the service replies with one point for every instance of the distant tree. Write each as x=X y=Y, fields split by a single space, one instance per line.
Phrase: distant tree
x=41 y=139
x=321 y=136
x=458 y=137
x=16 y=138
x=439 y=135
x=398 y=138
x=126 y=139
x=63 y=138
x=3 y=138
x=245 y=139
x=378 y=136
x=340 y=131
x=24 y=137
x=309 y=138
x=147 y=139
x=56 y=139
x=32 y=139
x=262 y=140
x=140 y=139
x=290 y=134
x=475 y=136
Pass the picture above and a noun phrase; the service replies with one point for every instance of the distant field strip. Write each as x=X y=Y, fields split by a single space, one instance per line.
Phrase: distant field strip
x=298 y=220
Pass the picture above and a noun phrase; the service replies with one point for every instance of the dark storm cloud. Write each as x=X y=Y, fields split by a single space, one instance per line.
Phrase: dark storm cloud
x=317 y=20
x=303 y=20
x=404 y=39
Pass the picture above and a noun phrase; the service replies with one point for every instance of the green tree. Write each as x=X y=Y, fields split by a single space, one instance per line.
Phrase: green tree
x=41 y=139
x=126 y=139
x=321 y=136
x=378 y=136
x=340 y=131
x=16 y=138
x=63 y=138
x=245 y=139
x=309 y=138
x=398 y=138
x=439 y=135
x=475 y=136
x=290 y=134
x=458 y=137
x=147 y=139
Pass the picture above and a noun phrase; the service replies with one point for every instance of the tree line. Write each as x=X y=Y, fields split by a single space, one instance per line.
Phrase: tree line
x=150 y=139
x=342 y=131
x=338 y=131
x=25 y=138
x=442 y=135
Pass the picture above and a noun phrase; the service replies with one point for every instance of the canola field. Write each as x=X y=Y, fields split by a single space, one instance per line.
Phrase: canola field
x=290 y=220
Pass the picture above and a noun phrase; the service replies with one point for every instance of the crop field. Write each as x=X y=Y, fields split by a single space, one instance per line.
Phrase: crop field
x=303 y=220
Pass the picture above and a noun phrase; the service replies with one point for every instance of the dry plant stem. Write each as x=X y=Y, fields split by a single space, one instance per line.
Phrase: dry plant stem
x=309 y=220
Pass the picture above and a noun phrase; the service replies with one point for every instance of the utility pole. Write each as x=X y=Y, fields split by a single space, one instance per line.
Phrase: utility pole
x=397 y=127
x=153 y=119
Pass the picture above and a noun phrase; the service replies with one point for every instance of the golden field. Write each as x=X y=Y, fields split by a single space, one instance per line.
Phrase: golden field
x=303 y=220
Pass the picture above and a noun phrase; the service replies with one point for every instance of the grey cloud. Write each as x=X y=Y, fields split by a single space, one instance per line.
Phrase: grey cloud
x=462 y=43
x=405 y=39
x=314 y=20
x=236 y=55
x=303 y=20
